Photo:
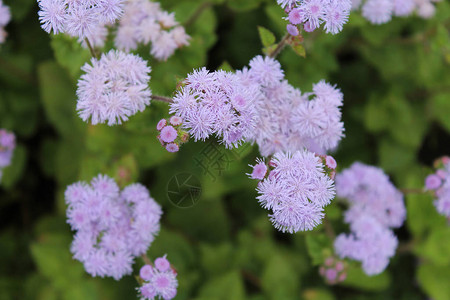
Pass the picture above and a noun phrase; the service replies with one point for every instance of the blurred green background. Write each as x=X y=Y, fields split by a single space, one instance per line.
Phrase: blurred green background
x=396 y=84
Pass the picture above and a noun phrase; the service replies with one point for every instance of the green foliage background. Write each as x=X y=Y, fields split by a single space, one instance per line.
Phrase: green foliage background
x=396 y=82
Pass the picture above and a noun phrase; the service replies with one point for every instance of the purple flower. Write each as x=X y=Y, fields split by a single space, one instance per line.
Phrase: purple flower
x=7 y=146
x=113 y=88
x=172 y=147
x=145 y=22
x=161 y=124
x=259 y=170
x=370 y=192
x=296 y=16
x=160 y=281
x=432 y=182
x=292 y=29
x=378 y=11
x=112 y=227
x=168 y=134
x=296 y=191
x=52 y=15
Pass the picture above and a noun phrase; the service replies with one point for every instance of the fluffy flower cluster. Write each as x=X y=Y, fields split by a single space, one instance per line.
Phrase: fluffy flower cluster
x=171 y=135
x=375 y=207
x=144 y=22
x=296 y=189
x=113 y=88
x=439 y=182
x=80 y=18
x=312 y=13
x=217 y=103
x=7 y=145
x=333 y=270
x=5 y=17
x=160 y=280
x=288 y=120
x=112 y=226
x=381 y=11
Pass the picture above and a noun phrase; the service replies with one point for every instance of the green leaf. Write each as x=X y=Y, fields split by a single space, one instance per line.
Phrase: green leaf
x=225 y=287
x=279 y=279
x=356 y=278
x=240 y=5
x=434 y=280
x=299 y=49
x=267 y=37
x=436 y=247
x=70 y=54
x=226 y=67
x=13 y=172
x=58 y=96
x=440 y=108
x=217 y=259
x=318 y=246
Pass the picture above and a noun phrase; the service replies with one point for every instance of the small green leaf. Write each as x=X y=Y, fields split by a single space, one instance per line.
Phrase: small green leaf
x=267 y=37
x=228 y=286
x=434 y=280
x=299 y=49
x=280 y=280
x=358 y=279
x=318 y=246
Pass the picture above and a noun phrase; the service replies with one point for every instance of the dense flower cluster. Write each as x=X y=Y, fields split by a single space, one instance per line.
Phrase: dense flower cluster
x=160 y=280
x=112 y=226
x=375 y=207
x=217 y=103
x=171 y=135
x=7 y=145
x=333 y=270
x=296 y=188
x=381 y=11
x=5 y=17
x=80 y=18
x=288 y=120
x=439 y=182
x=113 y=88
x=144 y=22
x=312 y=13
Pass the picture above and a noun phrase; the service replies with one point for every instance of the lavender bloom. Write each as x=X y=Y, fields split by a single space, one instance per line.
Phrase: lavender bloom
x=370 y=242
x=217 y=103
x=113 y=88
x=381 y=11
x=159 y=281
x=312 y=13
x=440 y=184
x=7 y=146
x=370 y=192
x=145 y=22
x=296 y=190
x=82 y=19
x=288 y=120
x=375 y=206
x=5 y=17
x=112 y=226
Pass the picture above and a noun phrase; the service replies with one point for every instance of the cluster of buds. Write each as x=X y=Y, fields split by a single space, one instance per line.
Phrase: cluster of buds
x=158 y=280
x=7 y=145
x=439 y=184
x=333 y=270
x=171 y=134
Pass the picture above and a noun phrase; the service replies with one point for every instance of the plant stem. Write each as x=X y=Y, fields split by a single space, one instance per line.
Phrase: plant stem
x=146 y=260
x=279 y=47
x=90 y=48
x=162 y=98
x=197 y=13
x=412 y=191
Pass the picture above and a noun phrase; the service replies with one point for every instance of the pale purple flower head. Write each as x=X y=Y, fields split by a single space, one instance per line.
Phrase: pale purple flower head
x=5 y=17
x=112 y=226
x=172 y=147
x=113 y=88
x=81 y=18
x=168 y=134
x=378 y=11
x=7 y=146
x=292 y=29
x=145 y=22
x=161 y=124
x=175 y=120
x=370 y=242
x=217 y=103
x=432 y=182
x=259 y=170
x=296 y=190
x=370 y=192
x=161 y=281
